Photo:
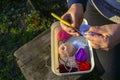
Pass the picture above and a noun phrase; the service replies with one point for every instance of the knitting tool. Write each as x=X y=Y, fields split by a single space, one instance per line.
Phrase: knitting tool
x=64 y=22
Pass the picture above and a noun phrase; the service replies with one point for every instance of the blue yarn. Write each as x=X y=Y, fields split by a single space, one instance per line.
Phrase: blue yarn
x=83 y=28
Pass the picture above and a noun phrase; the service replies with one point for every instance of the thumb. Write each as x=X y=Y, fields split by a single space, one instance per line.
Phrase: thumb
x=74 y=23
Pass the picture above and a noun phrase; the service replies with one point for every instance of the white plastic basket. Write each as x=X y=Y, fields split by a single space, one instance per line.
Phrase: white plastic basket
x=54 y=53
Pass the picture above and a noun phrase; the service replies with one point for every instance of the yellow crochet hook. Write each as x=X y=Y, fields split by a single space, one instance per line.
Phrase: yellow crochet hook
x=60 y=19
x=63 y=21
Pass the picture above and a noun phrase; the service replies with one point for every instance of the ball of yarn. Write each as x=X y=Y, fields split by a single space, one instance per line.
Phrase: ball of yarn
x=81 y=55
x=84 y=66
x=62 y=35
x=66 y=49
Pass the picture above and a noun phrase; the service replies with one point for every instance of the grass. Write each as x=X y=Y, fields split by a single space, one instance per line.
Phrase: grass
x=20 y=23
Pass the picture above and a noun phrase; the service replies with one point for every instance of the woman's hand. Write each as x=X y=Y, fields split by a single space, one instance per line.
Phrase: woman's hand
x=106 y=37
x=75 y=16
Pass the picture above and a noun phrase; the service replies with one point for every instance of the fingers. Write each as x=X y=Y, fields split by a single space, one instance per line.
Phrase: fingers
x=98 y=46
x=96 y=29
x=76 y=21
x=99 y=42
x=67 y=17
x=95 y=46
x=69 y=30
x=96 y=38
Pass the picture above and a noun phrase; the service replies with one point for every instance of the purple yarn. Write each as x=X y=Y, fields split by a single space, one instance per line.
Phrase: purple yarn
x=81 y=55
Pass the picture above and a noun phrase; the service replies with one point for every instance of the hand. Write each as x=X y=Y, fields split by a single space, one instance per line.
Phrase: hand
x=75 y=16
x=106 y=37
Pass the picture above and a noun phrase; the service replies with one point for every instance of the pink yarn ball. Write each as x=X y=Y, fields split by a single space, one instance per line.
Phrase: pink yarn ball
x=62 y=35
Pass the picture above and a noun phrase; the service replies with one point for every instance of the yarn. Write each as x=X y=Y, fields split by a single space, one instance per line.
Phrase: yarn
x=62 y=35
x=83 y=28
x=78 y=45
x=62 y=69
x=66 y=49
x=84 y=66
x=81 y=55
x=78 y=42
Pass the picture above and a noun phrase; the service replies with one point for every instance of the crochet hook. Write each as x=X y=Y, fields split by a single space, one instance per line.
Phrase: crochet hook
x=64 y=22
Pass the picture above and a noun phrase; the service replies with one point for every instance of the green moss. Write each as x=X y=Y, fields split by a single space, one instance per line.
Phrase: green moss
x=19 y=24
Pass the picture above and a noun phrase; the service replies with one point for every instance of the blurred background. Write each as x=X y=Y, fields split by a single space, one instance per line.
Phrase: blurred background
x=20 y=22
